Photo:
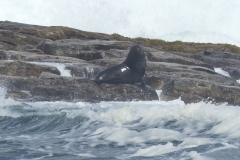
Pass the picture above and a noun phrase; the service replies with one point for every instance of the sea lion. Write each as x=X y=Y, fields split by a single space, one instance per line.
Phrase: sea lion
x=130 y=71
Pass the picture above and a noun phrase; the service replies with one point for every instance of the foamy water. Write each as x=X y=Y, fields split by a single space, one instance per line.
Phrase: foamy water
x=118 y=130
x=238 y=81
x=222 y=72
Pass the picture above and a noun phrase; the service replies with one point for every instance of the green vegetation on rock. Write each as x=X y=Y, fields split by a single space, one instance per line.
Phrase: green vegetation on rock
x=178 y=46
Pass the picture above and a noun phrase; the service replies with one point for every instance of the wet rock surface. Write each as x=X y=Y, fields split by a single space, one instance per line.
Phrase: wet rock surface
x=39 y=63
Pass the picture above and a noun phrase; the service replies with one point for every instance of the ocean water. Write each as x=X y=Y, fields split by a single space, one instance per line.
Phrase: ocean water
x=118 y=130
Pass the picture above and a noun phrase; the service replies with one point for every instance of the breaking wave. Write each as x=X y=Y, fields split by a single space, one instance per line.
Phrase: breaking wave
x=118 y=130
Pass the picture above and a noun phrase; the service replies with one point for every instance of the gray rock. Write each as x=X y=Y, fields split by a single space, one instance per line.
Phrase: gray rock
x=86 y=50
x=162 y=56
x=221 y=54
x=84 y=69
x=50 y=87
x=158 y=67
x=188 y=55
x=234 y=72
x=20 y=68
x=32 y=30
x=218 y=59
x=6 y=46
x=195 y=90
x=29 y=56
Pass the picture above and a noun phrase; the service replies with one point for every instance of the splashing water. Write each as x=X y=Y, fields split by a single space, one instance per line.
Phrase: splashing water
x=89 y=72
x=238 y=81
x=118 y=130
x=61 y=67
x=222 y=72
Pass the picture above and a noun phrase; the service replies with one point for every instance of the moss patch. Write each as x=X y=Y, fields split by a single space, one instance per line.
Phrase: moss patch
x=178 y=46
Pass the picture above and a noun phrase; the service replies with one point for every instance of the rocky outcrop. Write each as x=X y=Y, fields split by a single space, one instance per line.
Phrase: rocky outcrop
x=225 y=60
x=23 y=69
x=161 y=56
x=82 y=49
x=195 y=90
x=50 y=87
x=39 y=63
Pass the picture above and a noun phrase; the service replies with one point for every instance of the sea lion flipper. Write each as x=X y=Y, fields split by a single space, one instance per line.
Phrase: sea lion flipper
x=95 y=81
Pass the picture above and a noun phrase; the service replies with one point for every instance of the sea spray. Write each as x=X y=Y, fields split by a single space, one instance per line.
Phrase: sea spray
x=222 y=72
x=61 y=67
x=152 y=129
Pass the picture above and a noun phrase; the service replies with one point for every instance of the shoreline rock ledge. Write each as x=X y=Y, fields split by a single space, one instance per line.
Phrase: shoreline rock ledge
x=39 y=63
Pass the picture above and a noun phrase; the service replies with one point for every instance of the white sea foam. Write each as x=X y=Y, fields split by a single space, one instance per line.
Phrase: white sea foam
x=195 y=156
x=123 y=136
x=87 y=155
x=150 y=128
x=226 y=146
x=228 y=127
x=5 y=103
x=8 y=60
x=61 y=67
x=222 y=72
x=118 y=118
x=158 y=93
x=238 y=81
x=155 y=150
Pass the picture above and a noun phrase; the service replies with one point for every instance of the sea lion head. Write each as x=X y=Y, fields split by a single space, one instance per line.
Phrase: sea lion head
x=136 y=59
x=136 y=53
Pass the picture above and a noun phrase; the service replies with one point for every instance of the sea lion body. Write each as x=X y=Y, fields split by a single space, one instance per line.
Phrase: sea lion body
x=130 y=71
